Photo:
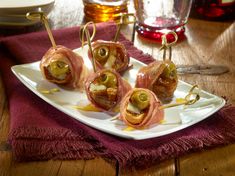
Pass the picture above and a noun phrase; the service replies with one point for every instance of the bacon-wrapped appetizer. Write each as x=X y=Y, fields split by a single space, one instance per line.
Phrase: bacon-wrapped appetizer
x=139 y=108
x=105 y=89
x=62 y=66
x=108 y=54
x=159 y=77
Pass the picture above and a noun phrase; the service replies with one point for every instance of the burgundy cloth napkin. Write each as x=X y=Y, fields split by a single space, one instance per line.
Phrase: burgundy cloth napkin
x=38 y=131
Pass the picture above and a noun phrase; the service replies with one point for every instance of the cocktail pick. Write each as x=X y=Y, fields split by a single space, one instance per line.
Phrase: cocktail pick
x=82 y=32
x=40 y=16
x=85 y=32
x=125 y=19
x=191 y=98
x=166 y=45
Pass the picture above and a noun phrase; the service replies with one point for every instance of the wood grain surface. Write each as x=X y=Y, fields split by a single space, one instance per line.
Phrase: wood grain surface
x=206 y=43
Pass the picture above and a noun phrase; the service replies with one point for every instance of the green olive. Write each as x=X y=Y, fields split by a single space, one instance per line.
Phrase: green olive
x=140 y=99
x=101 y=53
x=170 y=71
x=58 y=68
x=108 y=79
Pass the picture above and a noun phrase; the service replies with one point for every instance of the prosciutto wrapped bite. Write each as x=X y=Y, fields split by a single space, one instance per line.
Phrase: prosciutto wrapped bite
x=139 y=108
x=105 y=89
x=159 y=77
x=108 y=54
x=62 y=66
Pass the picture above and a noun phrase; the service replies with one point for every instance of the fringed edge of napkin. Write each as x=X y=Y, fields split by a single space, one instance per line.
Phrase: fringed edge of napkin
x=43 y=142
x=179 y=146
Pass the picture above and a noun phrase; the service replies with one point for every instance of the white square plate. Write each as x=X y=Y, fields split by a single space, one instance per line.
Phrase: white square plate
x=176 y=118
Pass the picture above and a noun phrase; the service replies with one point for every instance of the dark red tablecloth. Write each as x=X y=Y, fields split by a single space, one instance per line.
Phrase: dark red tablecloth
x=38 y=131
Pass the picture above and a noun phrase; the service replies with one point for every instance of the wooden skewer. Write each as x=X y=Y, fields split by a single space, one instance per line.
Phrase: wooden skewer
x=85 y=32
x=82 y=32
x=114 y=118
x=188 y=100
x=166 y=45
x=35 y=16
x=125 y=20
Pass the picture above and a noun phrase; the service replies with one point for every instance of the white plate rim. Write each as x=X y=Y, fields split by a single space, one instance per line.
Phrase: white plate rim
x=37 y=3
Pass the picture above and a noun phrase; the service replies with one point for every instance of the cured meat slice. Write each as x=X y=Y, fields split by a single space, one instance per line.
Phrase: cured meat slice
x=140 y=108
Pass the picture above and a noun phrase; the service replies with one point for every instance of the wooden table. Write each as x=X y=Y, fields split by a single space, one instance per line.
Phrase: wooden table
x=207 y=43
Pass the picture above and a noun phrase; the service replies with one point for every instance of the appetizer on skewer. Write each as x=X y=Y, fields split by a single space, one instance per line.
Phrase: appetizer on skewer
x=160 y=76
x=111 y=54
x=105 y=89
x=60 y=65
x=140 y=108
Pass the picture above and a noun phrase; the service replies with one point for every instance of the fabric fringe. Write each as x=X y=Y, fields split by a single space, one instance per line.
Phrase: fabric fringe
x=179 y=145
x=43 y=144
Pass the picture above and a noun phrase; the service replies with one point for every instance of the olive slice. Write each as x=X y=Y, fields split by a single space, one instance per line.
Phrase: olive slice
x=101 y=53
x=58 y=68
x=108 y=79
x=140 y=99
x=170 y=71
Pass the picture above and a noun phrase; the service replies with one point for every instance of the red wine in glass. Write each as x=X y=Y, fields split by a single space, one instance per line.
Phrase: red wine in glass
x=154 y=28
